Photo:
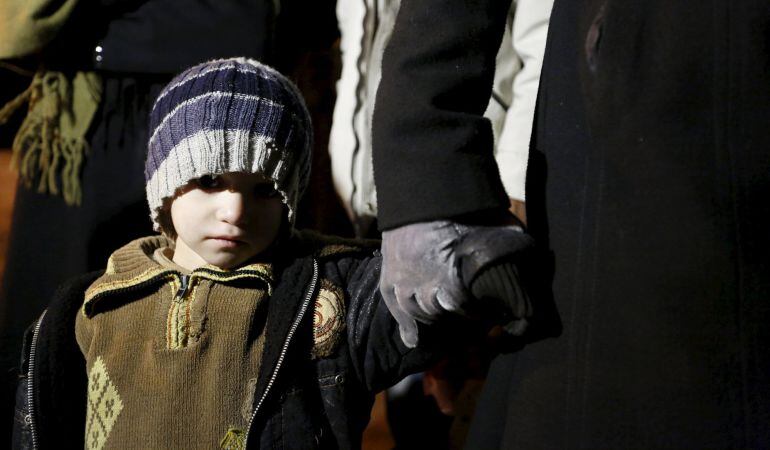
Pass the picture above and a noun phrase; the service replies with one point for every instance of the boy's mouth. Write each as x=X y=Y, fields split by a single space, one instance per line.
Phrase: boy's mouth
x=228 y=241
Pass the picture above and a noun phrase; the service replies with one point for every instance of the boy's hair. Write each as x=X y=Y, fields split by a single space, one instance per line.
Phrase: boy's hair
x=227 y=115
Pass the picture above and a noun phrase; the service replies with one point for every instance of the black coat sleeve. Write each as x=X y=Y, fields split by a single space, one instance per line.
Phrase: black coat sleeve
x=378 y=356
x=432 y=147
x=54 y=400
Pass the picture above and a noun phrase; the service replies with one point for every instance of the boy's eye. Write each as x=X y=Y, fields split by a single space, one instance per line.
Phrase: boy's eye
x=208 y=182
x=265 y=190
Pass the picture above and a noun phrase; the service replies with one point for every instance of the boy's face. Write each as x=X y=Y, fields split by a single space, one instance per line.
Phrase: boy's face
x=225 y=220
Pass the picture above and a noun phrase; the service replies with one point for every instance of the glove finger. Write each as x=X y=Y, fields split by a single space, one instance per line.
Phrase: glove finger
x=387 y=290
x=516 y=327
x=450 y=299
x=427 y=299
x=409 y=304
x=452 y=295
x=407 y=327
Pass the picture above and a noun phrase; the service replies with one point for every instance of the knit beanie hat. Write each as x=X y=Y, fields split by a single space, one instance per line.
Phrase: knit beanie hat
x=228 y=115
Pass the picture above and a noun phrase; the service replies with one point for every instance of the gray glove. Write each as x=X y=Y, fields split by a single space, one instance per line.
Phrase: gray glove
x=428 y=269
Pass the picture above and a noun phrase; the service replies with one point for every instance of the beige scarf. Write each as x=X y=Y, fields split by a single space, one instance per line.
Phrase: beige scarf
x=50 y=144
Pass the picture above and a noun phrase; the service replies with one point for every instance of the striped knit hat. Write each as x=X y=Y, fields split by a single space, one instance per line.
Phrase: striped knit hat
x=228 y=115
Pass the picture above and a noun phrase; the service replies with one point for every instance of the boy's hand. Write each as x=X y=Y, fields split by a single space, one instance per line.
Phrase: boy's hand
x=430 y=268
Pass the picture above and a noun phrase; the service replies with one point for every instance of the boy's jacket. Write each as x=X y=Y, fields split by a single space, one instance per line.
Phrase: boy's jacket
x=302 y=399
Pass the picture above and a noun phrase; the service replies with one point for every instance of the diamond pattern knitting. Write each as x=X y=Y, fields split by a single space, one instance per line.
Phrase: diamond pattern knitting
x=104 y=406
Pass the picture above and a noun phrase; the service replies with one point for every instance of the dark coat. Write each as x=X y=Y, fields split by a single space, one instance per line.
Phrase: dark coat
x=648 y=182
x=322 y=403
x=432 y=148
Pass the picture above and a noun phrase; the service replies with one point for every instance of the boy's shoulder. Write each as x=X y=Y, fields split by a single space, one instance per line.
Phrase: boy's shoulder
x=331 y=304
x=71 y=291
x=130 y=266
x=324 y=246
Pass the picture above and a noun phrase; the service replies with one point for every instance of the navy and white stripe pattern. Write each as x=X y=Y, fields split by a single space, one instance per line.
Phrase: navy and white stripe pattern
x=229 y=115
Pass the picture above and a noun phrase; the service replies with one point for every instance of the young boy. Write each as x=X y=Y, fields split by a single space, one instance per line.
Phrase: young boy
x=230 y=328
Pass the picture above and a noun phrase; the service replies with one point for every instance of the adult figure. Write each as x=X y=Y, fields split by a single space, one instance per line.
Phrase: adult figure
x=647 y=182
x=365 y=30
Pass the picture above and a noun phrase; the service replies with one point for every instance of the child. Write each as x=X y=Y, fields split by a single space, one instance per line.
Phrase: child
x=230 y=328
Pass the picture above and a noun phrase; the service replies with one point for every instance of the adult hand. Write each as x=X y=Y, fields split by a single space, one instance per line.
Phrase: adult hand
x=430 y=268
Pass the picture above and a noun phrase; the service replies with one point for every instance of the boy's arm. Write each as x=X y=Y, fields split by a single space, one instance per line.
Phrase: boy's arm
x=22 y=430
x=59 y=382
x=432 y=147
x=378 y=352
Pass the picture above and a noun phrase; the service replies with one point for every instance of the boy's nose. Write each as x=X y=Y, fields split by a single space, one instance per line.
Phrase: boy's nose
x=231 y=207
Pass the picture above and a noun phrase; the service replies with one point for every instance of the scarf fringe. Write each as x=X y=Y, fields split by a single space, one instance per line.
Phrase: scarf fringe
x=50 y=145
x=7 y=111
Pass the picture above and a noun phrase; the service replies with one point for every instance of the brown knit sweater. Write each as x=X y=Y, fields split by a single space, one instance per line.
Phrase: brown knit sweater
x=172 y=359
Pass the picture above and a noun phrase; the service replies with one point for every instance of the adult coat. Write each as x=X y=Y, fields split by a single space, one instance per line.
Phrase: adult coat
x=647 y=191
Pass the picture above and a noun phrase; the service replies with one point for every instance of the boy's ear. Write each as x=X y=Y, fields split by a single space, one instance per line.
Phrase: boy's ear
x=164 y=212
x=164 y=220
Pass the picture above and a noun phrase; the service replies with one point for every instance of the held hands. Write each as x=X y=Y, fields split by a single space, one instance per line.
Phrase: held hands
x=440 y=267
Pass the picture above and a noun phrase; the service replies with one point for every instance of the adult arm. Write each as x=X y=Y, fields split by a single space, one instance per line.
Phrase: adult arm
x=432 y=147
x=434 y=165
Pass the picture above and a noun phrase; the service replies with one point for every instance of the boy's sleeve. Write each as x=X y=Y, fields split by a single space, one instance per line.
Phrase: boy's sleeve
x=60 y=382
x=22 y=430
x=379 y=356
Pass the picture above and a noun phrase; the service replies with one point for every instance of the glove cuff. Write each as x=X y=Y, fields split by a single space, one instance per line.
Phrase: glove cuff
x=487 y=246
x=500 y=281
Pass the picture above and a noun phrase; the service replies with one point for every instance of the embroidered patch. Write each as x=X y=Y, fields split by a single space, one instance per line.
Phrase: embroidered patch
x=235 y=439
x=335 y=249
x=328 y=319
x=104 y=406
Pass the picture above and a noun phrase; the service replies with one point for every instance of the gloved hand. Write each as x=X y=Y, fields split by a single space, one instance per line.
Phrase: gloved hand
x=430 y=269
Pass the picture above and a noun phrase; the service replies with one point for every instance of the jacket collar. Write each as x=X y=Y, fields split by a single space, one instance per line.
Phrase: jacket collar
x=132 y=267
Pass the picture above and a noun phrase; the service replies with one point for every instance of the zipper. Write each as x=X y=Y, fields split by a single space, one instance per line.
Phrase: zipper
x=179 y=310
x=184 y=281
x=30 y=381
x=184 y=286
x=284 y=350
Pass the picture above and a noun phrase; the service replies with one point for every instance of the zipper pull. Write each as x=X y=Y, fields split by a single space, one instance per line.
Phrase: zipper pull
x=184 y=284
